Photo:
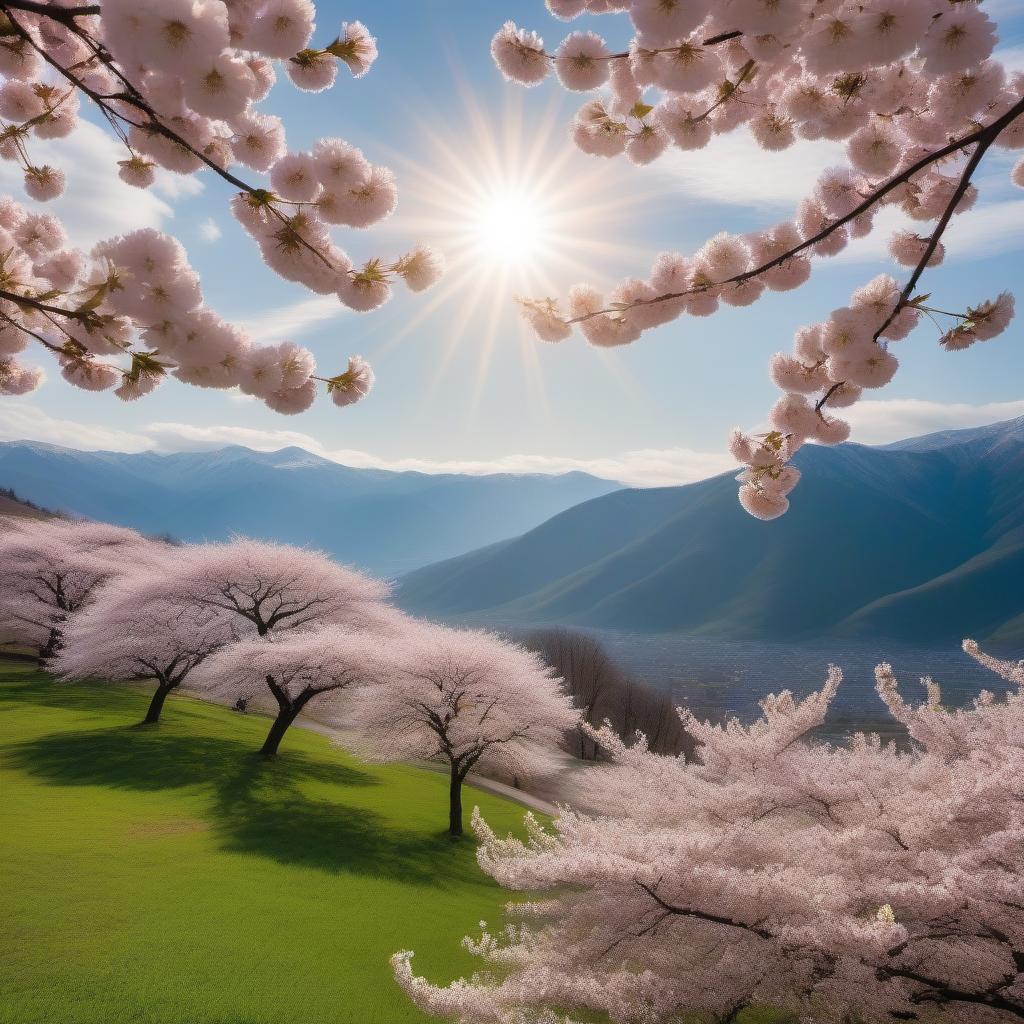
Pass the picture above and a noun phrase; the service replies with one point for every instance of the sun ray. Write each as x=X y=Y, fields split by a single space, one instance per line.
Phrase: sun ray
x=517 y=211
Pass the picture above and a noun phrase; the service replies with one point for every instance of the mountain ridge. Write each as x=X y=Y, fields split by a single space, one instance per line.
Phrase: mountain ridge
x=922 y=540
x=383 y=521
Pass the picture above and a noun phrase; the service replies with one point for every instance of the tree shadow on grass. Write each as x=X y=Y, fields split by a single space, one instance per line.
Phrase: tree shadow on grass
x=128 y=757
x=260 y=813
x=20 y=687
x=258 y=806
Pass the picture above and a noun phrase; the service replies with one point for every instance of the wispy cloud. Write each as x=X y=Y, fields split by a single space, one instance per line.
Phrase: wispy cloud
x=733 y=169
x=21 y=421
x=984 y=231
x=177 y=437
x=97 y=204
x=874 y=422
x=651 y=467
x=879 y=422
x=210 y=230
x=1011 y=57
x=293 y=319
x=644 y=468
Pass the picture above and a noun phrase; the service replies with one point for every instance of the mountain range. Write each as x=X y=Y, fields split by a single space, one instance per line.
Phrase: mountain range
x=385 y=522
x=921 y=541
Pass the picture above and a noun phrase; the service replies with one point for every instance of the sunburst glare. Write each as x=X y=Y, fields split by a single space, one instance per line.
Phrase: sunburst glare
x=517 y=210
x=512 y=226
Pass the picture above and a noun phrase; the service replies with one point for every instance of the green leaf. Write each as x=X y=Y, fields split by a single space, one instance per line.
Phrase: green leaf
x=641 y=110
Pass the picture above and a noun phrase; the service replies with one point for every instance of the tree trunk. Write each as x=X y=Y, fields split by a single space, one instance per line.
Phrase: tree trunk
x=285 y=717
x=455 y=803
x=156 y=705
x=49 y=649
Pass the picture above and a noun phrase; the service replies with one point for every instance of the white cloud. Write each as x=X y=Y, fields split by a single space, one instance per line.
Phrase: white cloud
x=96 y=204
x=210 y=230
x=984 y=231
x=20 y=421
x=651 y=467
x=997 y=10
x=179 y=437
x=644 y=468
x=879 y=422
x=286 y=322
x=874 y=422
x=733 y=169
x=1011 y=57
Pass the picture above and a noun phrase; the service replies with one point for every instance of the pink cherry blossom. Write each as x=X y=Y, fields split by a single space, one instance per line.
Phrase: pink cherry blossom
x=897 y=869
x=520 y=55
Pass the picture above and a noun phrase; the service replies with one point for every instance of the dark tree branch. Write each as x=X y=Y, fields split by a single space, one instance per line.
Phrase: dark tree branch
x=66 y=15
x=701 y=915
x=985 y=135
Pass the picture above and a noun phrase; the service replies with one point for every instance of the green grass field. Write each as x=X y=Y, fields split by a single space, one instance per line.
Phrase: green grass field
x=167 y=875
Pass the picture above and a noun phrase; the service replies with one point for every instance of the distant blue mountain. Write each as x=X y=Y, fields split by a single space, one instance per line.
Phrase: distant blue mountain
x=921 y=540
x=385 y=522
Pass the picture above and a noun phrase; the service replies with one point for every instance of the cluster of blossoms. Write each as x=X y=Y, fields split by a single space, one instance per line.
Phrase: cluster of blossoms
x=831 y=364
x=836 y=883
x=910 y=87
x=140 y=316
x=178 y=83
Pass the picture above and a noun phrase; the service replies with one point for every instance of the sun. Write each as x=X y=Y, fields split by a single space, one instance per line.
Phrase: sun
x=512 y=225
x=517 y=211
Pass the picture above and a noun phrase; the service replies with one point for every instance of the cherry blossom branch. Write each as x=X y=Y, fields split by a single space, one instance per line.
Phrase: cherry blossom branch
x=43 y=307
x=939 y=991
x=987 y=133
x=32 y=334
x=55 y=11
x=701 y=915
x=80 y=354
x=722 y=37
x=985 y=140
x=133 y=98
x=153 y=124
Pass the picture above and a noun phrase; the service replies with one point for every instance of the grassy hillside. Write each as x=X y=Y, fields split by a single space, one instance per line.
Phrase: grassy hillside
x=167 y=877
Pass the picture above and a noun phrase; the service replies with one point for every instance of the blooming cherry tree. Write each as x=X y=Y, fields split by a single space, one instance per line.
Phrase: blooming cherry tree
x=468 y=699
x=127 y=633
x=263 y=588
x=266 y=592
x=912 y=89
x=178 y=82
x=302 y=666
x=854 y=882
x=50 y=569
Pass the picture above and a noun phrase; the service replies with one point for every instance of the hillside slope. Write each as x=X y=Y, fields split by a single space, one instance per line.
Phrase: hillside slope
x=923 y=540
x=385 y=522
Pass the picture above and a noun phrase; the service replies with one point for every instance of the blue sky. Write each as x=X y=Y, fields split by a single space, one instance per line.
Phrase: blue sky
x=487 y=395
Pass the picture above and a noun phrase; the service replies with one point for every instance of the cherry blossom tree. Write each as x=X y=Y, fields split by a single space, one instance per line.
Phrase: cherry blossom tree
x=178 y=83
x=264 y=588
x=265 y=592
x=302 y=666
x=127 y=633
x=50 y=569
x=912 y=89
x=468 y=699
x=859 y=882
